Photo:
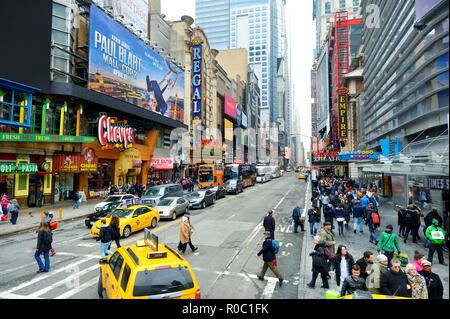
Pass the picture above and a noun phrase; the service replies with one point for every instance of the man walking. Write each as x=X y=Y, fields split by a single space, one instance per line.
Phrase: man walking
x=269 y=224
x=358 y=217
x=313 y=219
x=186 y=230
x=296 y=216
x=268 y=256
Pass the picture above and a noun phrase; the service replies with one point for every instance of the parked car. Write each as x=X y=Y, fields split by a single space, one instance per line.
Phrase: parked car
x=171 y=207
x=201 y=198
x=116 y=198
x=219 y=191
x=100 y=213
x=154 y=194
x=234 y=186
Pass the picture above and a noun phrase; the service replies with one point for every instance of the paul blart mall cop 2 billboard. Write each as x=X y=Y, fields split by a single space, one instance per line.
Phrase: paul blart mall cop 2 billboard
x=124 y=67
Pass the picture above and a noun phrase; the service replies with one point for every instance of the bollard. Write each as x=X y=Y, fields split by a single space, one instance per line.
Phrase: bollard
x=60 y=213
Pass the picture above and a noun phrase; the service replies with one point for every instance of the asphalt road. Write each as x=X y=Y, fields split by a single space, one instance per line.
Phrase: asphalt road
x=228 y=234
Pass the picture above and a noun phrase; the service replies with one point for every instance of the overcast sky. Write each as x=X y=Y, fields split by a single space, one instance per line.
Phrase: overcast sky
x=302 y=35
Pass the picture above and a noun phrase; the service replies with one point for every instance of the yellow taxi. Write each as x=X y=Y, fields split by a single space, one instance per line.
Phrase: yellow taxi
x=132 y=219
x=147 y=270
x=301 y=176
x=332 y=294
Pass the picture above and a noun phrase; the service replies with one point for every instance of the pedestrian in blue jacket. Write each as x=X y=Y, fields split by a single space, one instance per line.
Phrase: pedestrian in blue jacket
x=358 y=216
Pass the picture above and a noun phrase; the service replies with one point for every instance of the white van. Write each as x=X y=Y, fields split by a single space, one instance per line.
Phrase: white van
x=275 y=171
x=263 y=174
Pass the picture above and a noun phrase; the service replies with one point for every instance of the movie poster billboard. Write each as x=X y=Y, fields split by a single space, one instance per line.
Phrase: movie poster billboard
x=124 y=67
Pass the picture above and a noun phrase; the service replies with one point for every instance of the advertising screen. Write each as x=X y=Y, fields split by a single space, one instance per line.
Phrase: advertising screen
x=230 y=106
x=228 y=130
x=124 y=67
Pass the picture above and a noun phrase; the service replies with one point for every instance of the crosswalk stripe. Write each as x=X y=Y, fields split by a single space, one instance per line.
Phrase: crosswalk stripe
x=76 y=290
x=44 y=276
x=61 y=282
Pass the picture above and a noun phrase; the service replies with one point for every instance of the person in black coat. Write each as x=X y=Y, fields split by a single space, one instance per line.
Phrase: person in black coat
x=319 y=264
x=411 y=219
x=115 y=226
x=105 y=236
x=394 y=281
x=44 y=244
x=353 y=282
x=269 y=224
x=432 y=281
x=401 y=221
x=366 y=260
x=296 y=217
x=313 y=219
x=335 y=264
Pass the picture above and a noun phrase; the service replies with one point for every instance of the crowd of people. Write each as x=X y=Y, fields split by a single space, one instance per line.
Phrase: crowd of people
x=335 y=201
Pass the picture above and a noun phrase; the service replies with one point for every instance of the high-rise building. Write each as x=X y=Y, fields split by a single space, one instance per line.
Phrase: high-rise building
x=323 y=15
x=256 y=25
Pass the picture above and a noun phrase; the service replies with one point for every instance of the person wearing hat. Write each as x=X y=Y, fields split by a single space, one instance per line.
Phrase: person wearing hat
x=327 y=236
x=268 y=257
x=388 y=242
x=432 y=281
x=186 y=230
x=269 y=224
x=436 y=236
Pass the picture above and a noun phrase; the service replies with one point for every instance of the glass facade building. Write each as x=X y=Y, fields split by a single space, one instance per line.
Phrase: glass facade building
x=254 y=25
x=406 y=80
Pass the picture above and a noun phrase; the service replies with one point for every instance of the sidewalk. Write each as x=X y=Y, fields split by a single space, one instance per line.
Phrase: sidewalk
x=29 y=218
x=357 y=244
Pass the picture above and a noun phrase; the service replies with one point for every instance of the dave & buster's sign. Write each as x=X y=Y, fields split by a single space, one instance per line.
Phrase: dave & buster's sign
x=113 y=134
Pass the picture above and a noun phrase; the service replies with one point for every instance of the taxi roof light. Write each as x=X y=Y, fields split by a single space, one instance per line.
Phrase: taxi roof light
x=157 y=254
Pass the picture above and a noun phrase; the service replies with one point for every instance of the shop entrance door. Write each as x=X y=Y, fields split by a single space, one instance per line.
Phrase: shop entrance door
x=35 y=182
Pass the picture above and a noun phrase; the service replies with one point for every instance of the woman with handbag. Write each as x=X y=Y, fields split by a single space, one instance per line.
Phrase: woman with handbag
x=387 y=243
x=341 y=264
x=44 y=244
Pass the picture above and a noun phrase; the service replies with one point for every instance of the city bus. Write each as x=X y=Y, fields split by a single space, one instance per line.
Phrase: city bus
x=210 y=175
x=264 y=174
x=244 y=172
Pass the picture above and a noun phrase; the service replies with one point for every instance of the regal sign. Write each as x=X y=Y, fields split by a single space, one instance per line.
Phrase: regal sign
x=115 y=134
x=197 y=79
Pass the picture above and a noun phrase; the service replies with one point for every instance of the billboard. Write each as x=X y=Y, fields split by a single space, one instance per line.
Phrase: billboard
x=322 y=86
x=124 y=67
x=230 y=106
x=244 y=121
x=238 y=114
x=130 y=11
x=228 y=130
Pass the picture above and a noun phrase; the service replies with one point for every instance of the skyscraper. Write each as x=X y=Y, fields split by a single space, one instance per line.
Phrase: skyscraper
x=256 y=25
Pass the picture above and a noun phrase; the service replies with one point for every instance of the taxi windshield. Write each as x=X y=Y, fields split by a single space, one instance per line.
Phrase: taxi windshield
x=162 y=281
x=121 y=213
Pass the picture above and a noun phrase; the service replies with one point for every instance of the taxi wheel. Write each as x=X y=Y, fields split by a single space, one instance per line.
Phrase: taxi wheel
x=154 y=222
x=127 y=231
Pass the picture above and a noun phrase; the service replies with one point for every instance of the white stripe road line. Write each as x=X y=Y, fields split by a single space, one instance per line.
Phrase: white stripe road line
x=76 y=290
x=282 y=199
x=269 y=289
x=46 y=275
x=34 y=263
x=68 y=280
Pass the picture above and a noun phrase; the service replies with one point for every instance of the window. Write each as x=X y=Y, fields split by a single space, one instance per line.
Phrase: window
x=125 y=277
x=327 y=7
x=356 y=3
x=341 y=3
x=162 y=281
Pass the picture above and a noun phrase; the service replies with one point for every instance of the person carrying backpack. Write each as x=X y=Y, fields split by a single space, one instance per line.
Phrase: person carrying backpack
x=268 y=251
x=44 y=244
x=52 y=225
